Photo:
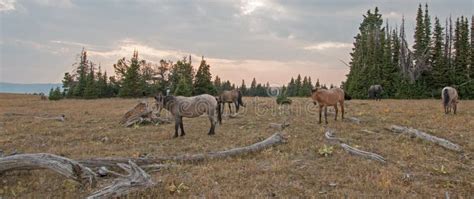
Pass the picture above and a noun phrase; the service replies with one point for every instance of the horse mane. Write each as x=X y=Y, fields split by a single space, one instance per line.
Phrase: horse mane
x=168 y=98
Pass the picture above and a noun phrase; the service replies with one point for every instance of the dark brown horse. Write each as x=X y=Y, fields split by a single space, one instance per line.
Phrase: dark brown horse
x=326 y=98
x=190 y=107
x=232 y=96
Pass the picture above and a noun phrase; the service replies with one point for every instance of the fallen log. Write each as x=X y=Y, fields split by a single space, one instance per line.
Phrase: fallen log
x=329 y=134
x=68 y=168
x=425 y=136
x=136 y=179
x=365 y=154
x=351 y=119
x=274 y=140
x=142 y=113
x=278 y=126
x=60 y=118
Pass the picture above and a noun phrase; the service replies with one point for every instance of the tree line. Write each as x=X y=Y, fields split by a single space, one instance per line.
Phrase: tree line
x=441 y=56
x=136 y=77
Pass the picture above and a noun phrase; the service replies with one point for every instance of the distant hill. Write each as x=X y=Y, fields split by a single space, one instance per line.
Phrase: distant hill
x=27 y=88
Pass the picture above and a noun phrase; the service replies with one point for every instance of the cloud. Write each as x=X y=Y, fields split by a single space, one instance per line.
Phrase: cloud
x=7 y=5
x=55 y=3
x=328 y=45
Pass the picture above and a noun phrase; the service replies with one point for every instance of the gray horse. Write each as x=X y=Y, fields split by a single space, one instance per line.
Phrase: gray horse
x=190 y=107
x=375 y=92
x=450 y=99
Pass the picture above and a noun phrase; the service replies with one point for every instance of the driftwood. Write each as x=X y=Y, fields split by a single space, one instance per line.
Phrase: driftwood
x=351 y=119
x=60 y=118
x=279 y=127
x=140 y=114
x=330 y=136
x=275 y=139
x=425 y=136
x=64 y=166
x=136 y=179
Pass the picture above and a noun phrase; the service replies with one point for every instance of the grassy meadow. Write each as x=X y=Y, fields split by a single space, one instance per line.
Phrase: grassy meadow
x=415 y=168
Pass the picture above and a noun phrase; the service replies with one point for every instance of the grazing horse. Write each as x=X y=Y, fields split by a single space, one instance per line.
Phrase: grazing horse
x=326 y=98
x=375 y=92
x=450 y=99
x=190 y=107
x=233 y=96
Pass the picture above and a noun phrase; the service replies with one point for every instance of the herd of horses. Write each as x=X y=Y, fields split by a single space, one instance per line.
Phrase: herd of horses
x=214 y=106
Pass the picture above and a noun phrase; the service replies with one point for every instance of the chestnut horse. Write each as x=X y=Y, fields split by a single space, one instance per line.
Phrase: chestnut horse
x=450 y=99
x=327 y=98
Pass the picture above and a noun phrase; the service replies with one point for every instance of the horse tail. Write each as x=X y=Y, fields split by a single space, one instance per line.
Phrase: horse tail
x=445 y=97
x=219 y=113
x=239 y=98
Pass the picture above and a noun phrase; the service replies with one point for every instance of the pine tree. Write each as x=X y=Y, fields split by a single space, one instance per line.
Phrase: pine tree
x=91 y=89
x=291 y=88
x=55 y=94
x=182 y=69
x=427 y=26
x=317 y=85
x=243 y=88
x=183 y=88
x=217 y=84
x=298 y=85
x=440 y=68
x=420 y=35
x=202 y=82
x=132 y=83
x=68 y=85
x=81 y=70
x=253 y=88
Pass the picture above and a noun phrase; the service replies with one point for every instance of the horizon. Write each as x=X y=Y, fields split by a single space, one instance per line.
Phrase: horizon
x=269 y=40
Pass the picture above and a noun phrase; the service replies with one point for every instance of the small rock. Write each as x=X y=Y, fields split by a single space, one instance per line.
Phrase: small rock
x=332 y=184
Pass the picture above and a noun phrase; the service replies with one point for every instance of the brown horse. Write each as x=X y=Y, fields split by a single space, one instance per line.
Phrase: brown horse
x=327 y=98
x=190 y=107
x=450 y=99
x=232 y=96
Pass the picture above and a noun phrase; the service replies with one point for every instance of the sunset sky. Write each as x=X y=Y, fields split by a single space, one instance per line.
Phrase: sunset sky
x=271 y=40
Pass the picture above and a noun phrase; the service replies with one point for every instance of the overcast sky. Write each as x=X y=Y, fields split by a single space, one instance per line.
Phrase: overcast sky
x=271 y=40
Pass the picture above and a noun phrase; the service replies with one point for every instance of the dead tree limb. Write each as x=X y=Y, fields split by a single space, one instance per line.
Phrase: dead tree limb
x=351 y=119
x=329 y=134
x=279 y=127
x=60 y=118
x=136 y=179
x=64 y=166
x=425 y=136
x=365 y=154
x=274 y=140
x=141 y=113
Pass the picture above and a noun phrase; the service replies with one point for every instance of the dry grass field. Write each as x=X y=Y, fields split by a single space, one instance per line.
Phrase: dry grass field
x=415 y=168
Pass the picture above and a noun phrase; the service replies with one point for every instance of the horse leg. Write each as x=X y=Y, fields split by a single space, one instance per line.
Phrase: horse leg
x=320 y=111
x=230 y=108
x=182 y=127
x=213 y=125
x=342 y=109
x=176 y=127
x=236 y=106
x=335 y=108
x=326 y=114
x=455 y=107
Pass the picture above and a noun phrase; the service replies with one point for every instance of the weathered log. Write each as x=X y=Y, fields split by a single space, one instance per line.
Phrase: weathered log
x=365 y=154
x=60 y=118
x=64 y=166
x=425 y=136
x=351 y=119
x=275 y=139
x=329 y=134
x=278 y=126
x=136 y=179
x=142 y=113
